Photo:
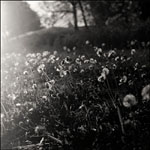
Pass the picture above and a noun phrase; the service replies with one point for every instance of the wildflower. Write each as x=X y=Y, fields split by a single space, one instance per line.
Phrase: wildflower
x=68 y=50
x=34 y=86
x=40 y=68
x=91 y=67
x=67 y=60
x=111 y=53
x=82 y=70
x=103 y=44
x=117 y=58
x=26 y=63
x=133 y=51
x=102 y=77
x=25 y=73
x=99 y=52
x=64 y=48
x=18 y=104
x=78 y=61
x=83 y=57
x=132 y=43
x=86 y=61
x=74 y=48
x=45 y=53
x=57 y=58
x=87 y=42
x=63 y=73
x=123 y=79
x=129 y=100
x=44 y=97
x=50 y=84
x=44 y=60
x=13 y=96
x=38 y=54
x=105 y=71
x=146 y=92
x=143 y=44
x=114 y=66
x=55 y=52
x=92 y=61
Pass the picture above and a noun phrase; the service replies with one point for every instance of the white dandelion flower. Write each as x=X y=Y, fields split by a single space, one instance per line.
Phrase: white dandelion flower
x=146 y=92
x=129 y=100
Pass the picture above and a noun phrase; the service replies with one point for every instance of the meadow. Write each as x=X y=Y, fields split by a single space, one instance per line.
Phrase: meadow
x=89 y=98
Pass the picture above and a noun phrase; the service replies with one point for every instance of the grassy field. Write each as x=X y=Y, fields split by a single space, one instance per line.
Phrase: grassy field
x=76 y=98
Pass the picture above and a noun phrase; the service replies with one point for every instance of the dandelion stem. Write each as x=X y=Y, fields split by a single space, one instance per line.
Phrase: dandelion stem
x=120 y=120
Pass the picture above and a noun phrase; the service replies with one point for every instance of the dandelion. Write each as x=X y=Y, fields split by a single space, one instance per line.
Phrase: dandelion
x=44 y=59
x=67 y=60
x=38 y=54
x=133 y=51
x=26 y=63
x=64 y=48
x=50 y=84
x=18 y=104
x=103 y=44
x=117 y=58
x=74 y=48
x=44 y=97
x=132 y=43
x=34 y=86
x=55 y=52
x=63 y=73
x=78 y=61
x=25 y=73
x=114 y=66
x=129 y=100
x=86 y=61
x=102 y=77
x=93 y=61
x=82 y=70
x=99 y=52
x=123 y=79
x=40 y=68
x=105 y=71
x=111 y=53
x=90 y=67
x=68 y=50
x=87 y=42
x=45 y=53
x=13 y=96
x=83 y=57
x=146 y=92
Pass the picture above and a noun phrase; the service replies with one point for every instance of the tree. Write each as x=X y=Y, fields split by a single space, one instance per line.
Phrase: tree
x=18 y=18
x=53 y=13
x=83 y=13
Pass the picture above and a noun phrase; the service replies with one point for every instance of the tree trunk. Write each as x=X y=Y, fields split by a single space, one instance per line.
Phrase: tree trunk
x=75 y=15
x=83 y=14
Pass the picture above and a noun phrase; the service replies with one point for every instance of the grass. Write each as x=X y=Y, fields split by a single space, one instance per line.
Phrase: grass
x=77 y=96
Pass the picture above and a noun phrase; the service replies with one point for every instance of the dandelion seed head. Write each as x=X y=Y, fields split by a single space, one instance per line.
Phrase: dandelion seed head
x=146 y=92
x=129 y=100
x=133 y=51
